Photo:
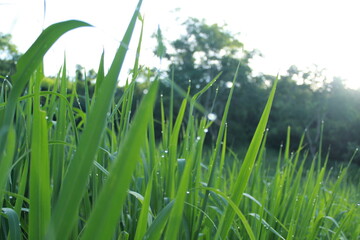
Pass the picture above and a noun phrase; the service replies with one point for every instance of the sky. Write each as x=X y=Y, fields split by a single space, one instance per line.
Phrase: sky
x=286 y=32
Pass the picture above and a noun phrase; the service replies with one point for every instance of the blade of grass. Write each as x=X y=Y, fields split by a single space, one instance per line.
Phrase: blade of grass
x=27 y=65
x=40 y=194
x=171 y=184
x=58 y=155
x=142 y=223
x=175 y=220
x=14 y=223
x=215 y=153
x=5 y=164
x=113 y=193
x=156 y=228
x=246 y=168
x=64 y=215
x=236 y=211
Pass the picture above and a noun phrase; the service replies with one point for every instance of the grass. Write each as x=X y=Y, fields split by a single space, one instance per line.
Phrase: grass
x=99 y=172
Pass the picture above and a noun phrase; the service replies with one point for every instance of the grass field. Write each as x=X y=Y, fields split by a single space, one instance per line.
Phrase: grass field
x=99 y=172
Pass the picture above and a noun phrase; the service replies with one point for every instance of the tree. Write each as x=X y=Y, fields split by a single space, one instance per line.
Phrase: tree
x=8 y=56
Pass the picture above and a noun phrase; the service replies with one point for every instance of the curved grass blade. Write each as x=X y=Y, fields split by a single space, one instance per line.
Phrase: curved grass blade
x=235 y=210
x=14 y=223
x=212 y=168
x=103 y=219
x=246 y=168
x=27 y=65
x=156 y=228
x=266 y=225
x=65 y=212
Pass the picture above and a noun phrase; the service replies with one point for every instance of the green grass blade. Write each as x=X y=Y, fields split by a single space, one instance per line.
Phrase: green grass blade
x=22 y=187
x=106 y=213
x=70 y=195
x=5 y=164
x=40 y=194
x=235 y=210
x=177 y=211
x=246 y=168
x=99 y=79
x=171 y=186
x=216 y=151
x=142 y=223
x=14 y=223
x=156 y=228
x=266 y=225
x=60 y=135
x=27 y=65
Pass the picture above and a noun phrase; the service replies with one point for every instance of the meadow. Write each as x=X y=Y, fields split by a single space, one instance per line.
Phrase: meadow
x=100 y=173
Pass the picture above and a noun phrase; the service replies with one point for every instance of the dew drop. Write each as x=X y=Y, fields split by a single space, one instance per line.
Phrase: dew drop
x=212 y=116
x=145 y=91
x=206 y=130
x=229 y=84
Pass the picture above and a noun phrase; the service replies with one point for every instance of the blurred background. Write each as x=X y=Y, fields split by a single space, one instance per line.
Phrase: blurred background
x=312 y=46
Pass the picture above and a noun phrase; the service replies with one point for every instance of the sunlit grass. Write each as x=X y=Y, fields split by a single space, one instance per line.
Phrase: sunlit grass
x=100 y=173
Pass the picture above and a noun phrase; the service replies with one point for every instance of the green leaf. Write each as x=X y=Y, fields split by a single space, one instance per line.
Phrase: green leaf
x=156 y=228
x=14 y=223
x=27 y=65
x=65 y=211
x=40 y=194
x=103 y=220
x=142 y=223
x=246 y=168
x=6 y=160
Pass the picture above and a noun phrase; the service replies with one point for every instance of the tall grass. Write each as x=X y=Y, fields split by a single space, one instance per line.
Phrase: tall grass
x=99 y=172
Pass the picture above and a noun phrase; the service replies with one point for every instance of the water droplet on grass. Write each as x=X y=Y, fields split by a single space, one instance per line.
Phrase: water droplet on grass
x=206 y=130
x=212 y=116
x=145 y=91
x=229 y=84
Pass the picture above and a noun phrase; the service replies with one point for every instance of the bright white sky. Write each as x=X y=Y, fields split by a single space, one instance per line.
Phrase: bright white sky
x=287 y=32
